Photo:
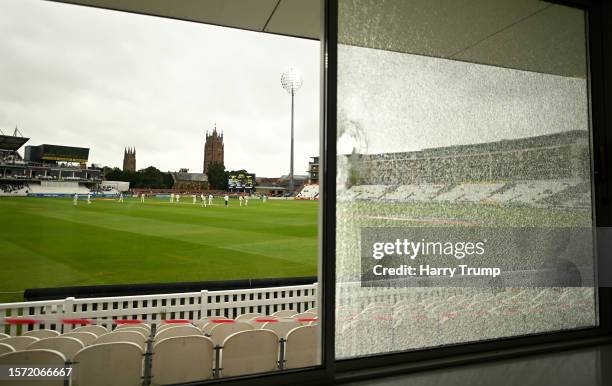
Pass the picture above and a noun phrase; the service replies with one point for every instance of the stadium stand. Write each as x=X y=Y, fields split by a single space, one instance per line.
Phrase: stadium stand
x=474 y=192
x=96 y=330
x=122 y=336
x=20 y=342
x=92 y=365
x=66 y=345
x=182 y=359
x=40 y=358
x=41 y=334
x=249 y=352
x=308 y=192
x=5 y=348
x=87 y=338
x=302 y=347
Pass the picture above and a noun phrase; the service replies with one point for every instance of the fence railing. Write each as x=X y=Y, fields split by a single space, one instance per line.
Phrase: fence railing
x=57 y=314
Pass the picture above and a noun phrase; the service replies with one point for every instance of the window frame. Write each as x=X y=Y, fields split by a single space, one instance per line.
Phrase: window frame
x=599 y=36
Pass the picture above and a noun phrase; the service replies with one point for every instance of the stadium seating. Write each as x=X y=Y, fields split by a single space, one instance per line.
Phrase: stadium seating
x=108 y=364
x=3 y=336
x=85 y=337
x=37 y=358
x=469 y=192
x=5 y=348
x=96 y=329
x=302 y=348
x=41 y=334
x=182 y=359
x=122 y=336
x=308 y=192
x=281 y=329
x=66 y=345
x=249 y=352
x=182 y=330
x=19 y=342
x=221 y=331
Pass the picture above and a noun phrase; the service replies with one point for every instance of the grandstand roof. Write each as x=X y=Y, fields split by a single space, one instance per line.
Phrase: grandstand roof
x=9 y=142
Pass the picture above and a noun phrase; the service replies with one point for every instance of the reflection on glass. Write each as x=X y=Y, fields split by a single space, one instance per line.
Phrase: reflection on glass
x=442 y=130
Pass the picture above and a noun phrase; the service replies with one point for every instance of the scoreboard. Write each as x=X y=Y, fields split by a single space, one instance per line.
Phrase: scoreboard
x=241 y=181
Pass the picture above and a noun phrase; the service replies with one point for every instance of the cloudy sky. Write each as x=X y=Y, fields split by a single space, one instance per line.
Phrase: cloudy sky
x=393 y=102
x=106 y=80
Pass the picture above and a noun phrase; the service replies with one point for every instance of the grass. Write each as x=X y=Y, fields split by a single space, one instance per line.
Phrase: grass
x=49 y=242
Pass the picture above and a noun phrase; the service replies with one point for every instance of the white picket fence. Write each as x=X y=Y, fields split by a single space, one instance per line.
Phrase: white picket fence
x=155 y=308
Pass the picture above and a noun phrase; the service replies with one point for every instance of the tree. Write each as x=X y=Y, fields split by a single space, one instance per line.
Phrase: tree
x=217 y=177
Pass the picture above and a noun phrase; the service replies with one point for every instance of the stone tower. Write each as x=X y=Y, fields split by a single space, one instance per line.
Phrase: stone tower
x=213 y=148
x=129 y=160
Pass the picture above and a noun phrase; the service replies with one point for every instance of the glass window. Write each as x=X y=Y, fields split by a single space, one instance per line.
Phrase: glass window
x=462 y=121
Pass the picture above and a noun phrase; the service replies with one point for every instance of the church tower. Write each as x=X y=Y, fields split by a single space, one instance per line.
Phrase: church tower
x=129 y=160
x=213 y=149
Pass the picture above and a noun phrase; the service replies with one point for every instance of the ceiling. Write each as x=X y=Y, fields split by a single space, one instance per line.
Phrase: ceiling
x=530 y=35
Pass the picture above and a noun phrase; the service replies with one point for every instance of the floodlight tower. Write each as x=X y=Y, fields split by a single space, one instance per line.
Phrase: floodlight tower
x=291 y=81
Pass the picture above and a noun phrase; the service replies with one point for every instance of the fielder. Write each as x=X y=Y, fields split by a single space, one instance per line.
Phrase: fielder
x=194 y=199
x=75 y=199
x=226 y=198
x=120 y=197
x=203 y=198
x=88 y=198
x=142 y=197
x=171 y=198
x=246 y=200
x=240 y=200
x=178 y=198
x=210 y=198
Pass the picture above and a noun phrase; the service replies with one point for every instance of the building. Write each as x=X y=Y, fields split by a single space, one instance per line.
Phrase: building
x=213 y=149
x=129 y=160
x=313 y=170
x=189 y=182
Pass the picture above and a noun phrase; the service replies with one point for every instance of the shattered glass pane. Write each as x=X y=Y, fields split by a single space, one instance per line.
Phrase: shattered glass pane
x=450 y=118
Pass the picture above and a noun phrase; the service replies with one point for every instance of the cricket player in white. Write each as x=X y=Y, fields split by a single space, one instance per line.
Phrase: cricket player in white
x=120 y=197
x=171 y=198
x=75 y=199
x=142 y=196
x=240 y=200
x=178 y=198
x=194 y=199
x=203 y=198
x=226 y=198
x=210 y=198
x=88 y=198
x=246 y=200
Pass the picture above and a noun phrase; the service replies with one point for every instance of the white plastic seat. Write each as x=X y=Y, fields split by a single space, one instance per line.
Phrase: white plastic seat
x=94 y=329
x=4 y=336
x=5 y=348
x=164 y=326
x=108 y=364
x=207 y=328
x=249 y=352
x=123 y=336
x=141 y=330
x=87 y=338
x=130 y=325
x=302 y=348
x=281 y=329
x=284 y=313
x=248 y=316
x=38 y=358
x=182 y=359
x=41 y=334
x=20 y=342
x=200 y=323
x=183 y=330
x=221 y=331
x=306 y=315
x=66 y=345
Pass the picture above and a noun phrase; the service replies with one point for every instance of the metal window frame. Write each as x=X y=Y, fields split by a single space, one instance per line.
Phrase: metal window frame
x=599 y=35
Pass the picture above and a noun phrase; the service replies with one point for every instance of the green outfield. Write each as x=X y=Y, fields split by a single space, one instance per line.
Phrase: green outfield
x=49 y=242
